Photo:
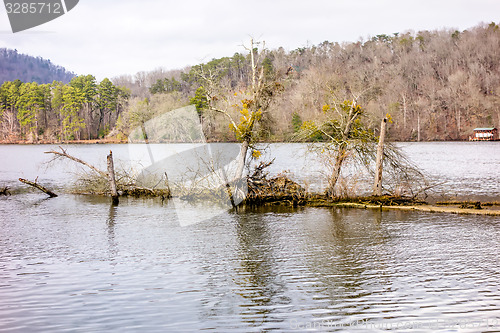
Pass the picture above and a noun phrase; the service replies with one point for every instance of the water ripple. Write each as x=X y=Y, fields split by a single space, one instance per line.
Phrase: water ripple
x=270 y=269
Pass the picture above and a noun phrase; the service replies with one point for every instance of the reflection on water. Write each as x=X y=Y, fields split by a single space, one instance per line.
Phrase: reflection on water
x=110 y=222
x=75 y=263
x=258 y=279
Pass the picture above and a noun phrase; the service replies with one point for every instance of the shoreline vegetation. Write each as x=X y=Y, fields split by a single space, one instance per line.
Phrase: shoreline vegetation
x=262 y=191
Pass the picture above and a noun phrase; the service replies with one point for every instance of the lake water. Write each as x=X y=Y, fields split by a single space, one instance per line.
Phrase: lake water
x=76 y=264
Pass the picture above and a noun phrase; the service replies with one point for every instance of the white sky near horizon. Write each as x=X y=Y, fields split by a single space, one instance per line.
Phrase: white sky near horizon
x=109 y=38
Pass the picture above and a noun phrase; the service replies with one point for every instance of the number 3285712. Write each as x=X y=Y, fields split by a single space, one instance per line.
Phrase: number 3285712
x=33 y=8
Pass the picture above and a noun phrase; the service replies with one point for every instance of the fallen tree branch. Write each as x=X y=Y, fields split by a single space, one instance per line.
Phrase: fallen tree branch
x=423 y=190
x=63 y=153
x=38 y=186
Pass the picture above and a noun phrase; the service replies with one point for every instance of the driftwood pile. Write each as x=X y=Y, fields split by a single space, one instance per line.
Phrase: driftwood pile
x=280 y=189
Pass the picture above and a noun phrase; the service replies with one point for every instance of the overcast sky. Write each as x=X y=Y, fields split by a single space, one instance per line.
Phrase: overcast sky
x=107 y=38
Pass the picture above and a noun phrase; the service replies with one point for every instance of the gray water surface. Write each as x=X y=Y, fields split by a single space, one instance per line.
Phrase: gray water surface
x=76 y=264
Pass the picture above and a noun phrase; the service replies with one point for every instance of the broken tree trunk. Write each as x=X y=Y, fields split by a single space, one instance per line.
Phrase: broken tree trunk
x=334 y=177
x=38 y=186
x=377 y=185
x=112 y=180
x=242 y=159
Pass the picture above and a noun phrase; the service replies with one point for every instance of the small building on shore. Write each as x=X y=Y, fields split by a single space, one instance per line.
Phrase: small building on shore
x=484 y=134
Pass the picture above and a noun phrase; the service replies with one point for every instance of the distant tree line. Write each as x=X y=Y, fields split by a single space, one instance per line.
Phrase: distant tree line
x=16 y=66
x=81 y=109
x=436 y=85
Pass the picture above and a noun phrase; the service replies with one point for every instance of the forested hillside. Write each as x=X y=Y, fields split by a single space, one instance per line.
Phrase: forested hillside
x=436 y=85
x=16 y=66
x=82 y=109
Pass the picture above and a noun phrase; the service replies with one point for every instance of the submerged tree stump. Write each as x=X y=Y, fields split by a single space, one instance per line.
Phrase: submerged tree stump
x=112 y=180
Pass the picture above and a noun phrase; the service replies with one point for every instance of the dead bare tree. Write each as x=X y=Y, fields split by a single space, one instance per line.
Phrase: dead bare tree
x=252 y=105
x=342 y=132
x=343 y=136
x=113 y=182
